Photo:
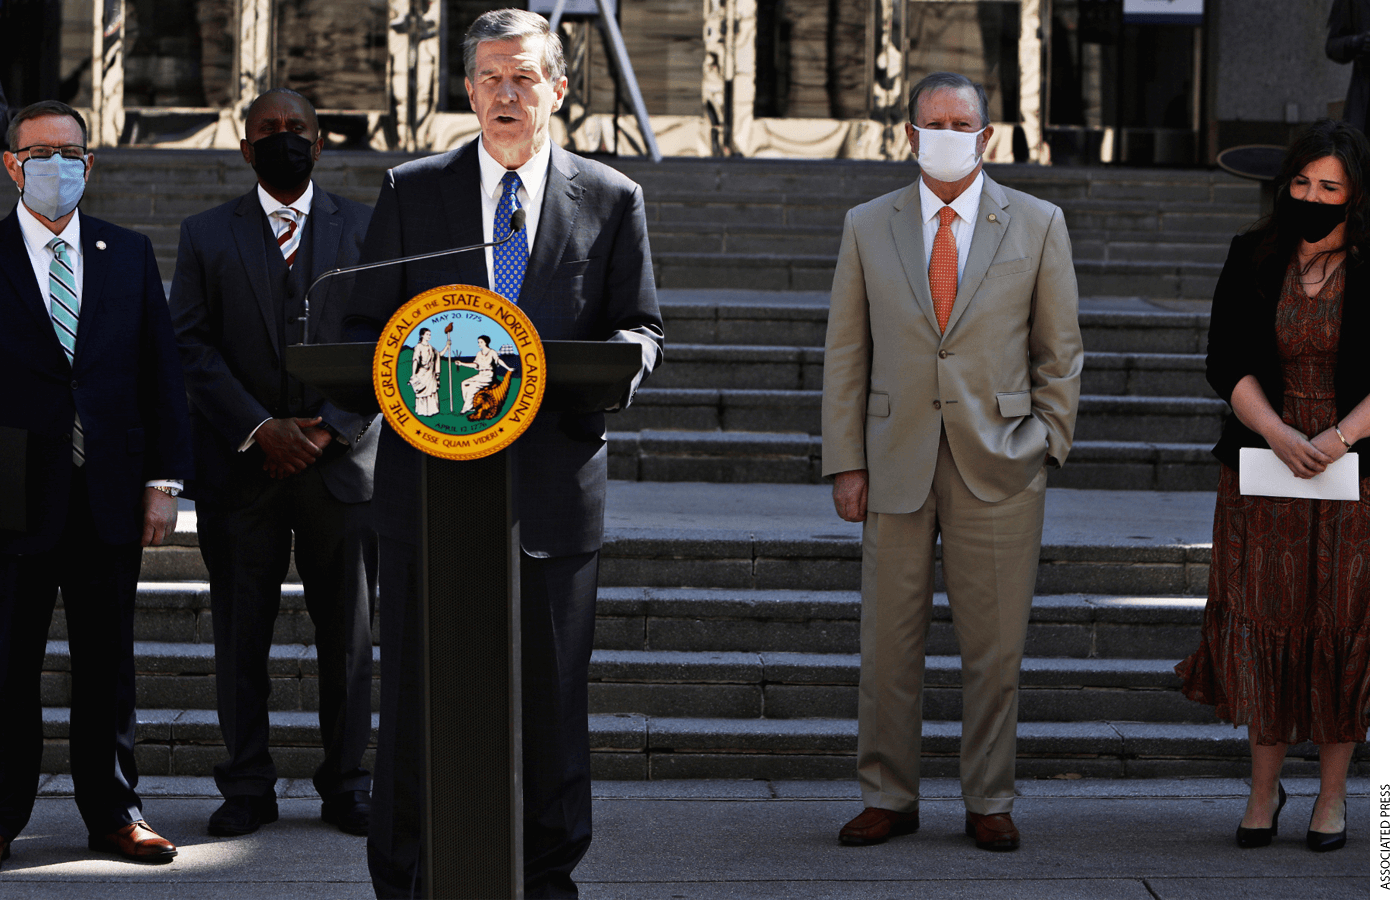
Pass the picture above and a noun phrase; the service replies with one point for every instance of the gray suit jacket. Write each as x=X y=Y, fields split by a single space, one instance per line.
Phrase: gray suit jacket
x=1003 y=381
x=226 y=310
x=589 y=279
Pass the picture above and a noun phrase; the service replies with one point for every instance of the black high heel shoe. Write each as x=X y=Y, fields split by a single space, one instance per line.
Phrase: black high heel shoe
x=1322 y=841
x=1262 y=837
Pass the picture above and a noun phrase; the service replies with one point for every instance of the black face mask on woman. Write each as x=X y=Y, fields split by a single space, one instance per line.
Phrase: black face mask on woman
x=283 y=159
x=1308 y=220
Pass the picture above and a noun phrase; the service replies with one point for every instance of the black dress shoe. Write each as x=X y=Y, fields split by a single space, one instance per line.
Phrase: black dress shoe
x=243 y=814
x=348 y=811
x=1322 y=841
x=1262 y=837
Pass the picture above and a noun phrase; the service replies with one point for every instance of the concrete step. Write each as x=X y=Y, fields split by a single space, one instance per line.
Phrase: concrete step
x=782 y=318
x=825 y=748
x=781 y=684
x=1078 y=626
x=636 y=747
x=786 y=685
x=734 y=457
x=759 y=536
x=752 y=562
x=1100 y=418
x=694 y=558
x=1204 y=249
x=824 y=621
x=746 y=367
x=173 y=607
x=762 y=179
x=181 y=675
x=747 y=238
x=805 y=272
x=1090 y=247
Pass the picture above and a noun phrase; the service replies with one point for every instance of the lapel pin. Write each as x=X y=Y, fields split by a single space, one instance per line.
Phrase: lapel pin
x=991 y=217
x=101 y=245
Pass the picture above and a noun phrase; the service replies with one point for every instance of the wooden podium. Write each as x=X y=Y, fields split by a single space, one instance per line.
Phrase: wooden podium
x=470 y=595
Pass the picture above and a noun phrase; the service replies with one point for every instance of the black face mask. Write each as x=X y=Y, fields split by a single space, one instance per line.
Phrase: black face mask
x=283 y=159
x=1310 y=221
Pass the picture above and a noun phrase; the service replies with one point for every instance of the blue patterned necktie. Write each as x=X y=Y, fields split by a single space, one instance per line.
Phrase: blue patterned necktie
x=511 y=257
x=63 y=309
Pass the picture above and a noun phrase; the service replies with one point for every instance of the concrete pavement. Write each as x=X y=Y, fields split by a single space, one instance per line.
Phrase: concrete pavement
x=752 y=840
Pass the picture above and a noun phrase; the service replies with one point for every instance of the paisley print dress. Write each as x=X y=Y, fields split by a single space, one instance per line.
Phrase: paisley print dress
x=1285 y=642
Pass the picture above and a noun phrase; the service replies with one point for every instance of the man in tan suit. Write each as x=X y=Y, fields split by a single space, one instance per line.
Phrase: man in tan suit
x=952 y=379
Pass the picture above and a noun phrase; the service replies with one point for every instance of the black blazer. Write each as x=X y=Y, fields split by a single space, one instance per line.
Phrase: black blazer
x=589 y=278
x=124 y=381
x=226 y=311
x=1242 y=341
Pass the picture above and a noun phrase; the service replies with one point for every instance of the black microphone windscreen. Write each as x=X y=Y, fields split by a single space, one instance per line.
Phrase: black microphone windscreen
x=517 y=220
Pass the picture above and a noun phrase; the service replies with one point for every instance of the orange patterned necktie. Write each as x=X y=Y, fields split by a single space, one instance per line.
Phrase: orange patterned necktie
x=943 y=268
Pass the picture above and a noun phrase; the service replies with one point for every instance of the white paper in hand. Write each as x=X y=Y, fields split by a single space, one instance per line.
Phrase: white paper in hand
x=1262 y=474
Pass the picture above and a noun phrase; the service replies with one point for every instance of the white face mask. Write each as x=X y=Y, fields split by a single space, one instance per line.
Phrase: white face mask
x=947 y=155
x=53 y=186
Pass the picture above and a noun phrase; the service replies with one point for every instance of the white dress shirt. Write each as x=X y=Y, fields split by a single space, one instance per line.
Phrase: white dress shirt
x=301 y=205
x=270 y=204
x=965 y=205
x=531 y=192
x=36 y=241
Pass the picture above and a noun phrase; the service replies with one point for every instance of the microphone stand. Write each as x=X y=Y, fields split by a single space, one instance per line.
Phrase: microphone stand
x=517 y=223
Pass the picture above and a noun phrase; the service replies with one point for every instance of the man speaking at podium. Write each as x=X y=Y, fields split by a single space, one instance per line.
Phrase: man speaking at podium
x=581 y=270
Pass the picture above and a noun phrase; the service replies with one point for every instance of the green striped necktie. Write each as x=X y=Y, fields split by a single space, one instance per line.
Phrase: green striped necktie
x=63 y=307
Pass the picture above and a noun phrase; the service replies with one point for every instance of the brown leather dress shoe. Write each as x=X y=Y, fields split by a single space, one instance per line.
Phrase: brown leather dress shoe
x=136 y=842
x=875 y=825
x=994 y=832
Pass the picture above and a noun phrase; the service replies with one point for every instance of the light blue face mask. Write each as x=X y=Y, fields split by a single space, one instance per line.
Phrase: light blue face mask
x=53 y=186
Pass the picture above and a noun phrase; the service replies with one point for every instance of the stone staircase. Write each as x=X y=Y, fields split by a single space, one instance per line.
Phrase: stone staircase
x=739 y=397
x=732 y=652
x=763 y=224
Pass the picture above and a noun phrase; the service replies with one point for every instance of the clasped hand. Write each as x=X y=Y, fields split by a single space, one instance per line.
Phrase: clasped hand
x=290 y=445
x=1305 y=458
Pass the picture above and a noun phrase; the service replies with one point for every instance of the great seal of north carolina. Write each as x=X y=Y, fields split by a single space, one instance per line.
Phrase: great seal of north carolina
x=459 y=372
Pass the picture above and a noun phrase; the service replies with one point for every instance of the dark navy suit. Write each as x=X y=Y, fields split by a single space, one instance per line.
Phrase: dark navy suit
x=85 y=522
x=235 y=303
x=589 y=278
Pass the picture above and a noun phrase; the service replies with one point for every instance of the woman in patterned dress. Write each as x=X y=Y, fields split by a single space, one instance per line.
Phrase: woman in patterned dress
x=1285 y=645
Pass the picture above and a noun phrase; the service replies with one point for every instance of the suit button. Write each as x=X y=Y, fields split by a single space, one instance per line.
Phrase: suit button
x=937 y=404
x=942 y=354
x=75 y=384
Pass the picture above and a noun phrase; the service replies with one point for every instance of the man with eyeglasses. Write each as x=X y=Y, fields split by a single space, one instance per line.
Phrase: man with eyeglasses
x=94 y=383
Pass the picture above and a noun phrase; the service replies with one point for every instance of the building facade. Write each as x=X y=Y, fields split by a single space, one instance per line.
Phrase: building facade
x=1141 y=82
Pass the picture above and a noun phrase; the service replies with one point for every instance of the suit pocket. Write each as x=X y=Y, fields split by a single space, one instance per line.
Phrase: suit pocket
x=580 y=280
x=1010 y=267
x=136 y=440
x=1014 y=404
x=877 y=404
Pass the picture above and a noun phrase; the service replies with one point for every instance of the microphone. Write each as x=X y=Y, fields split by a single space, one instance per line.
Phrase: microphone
x=517 y=223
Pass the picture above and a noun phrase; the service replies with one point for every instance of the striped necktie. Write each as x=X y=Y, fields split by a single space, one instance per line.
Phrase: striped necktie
x=63 y=308
x=284 y=223
x=511 y=258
